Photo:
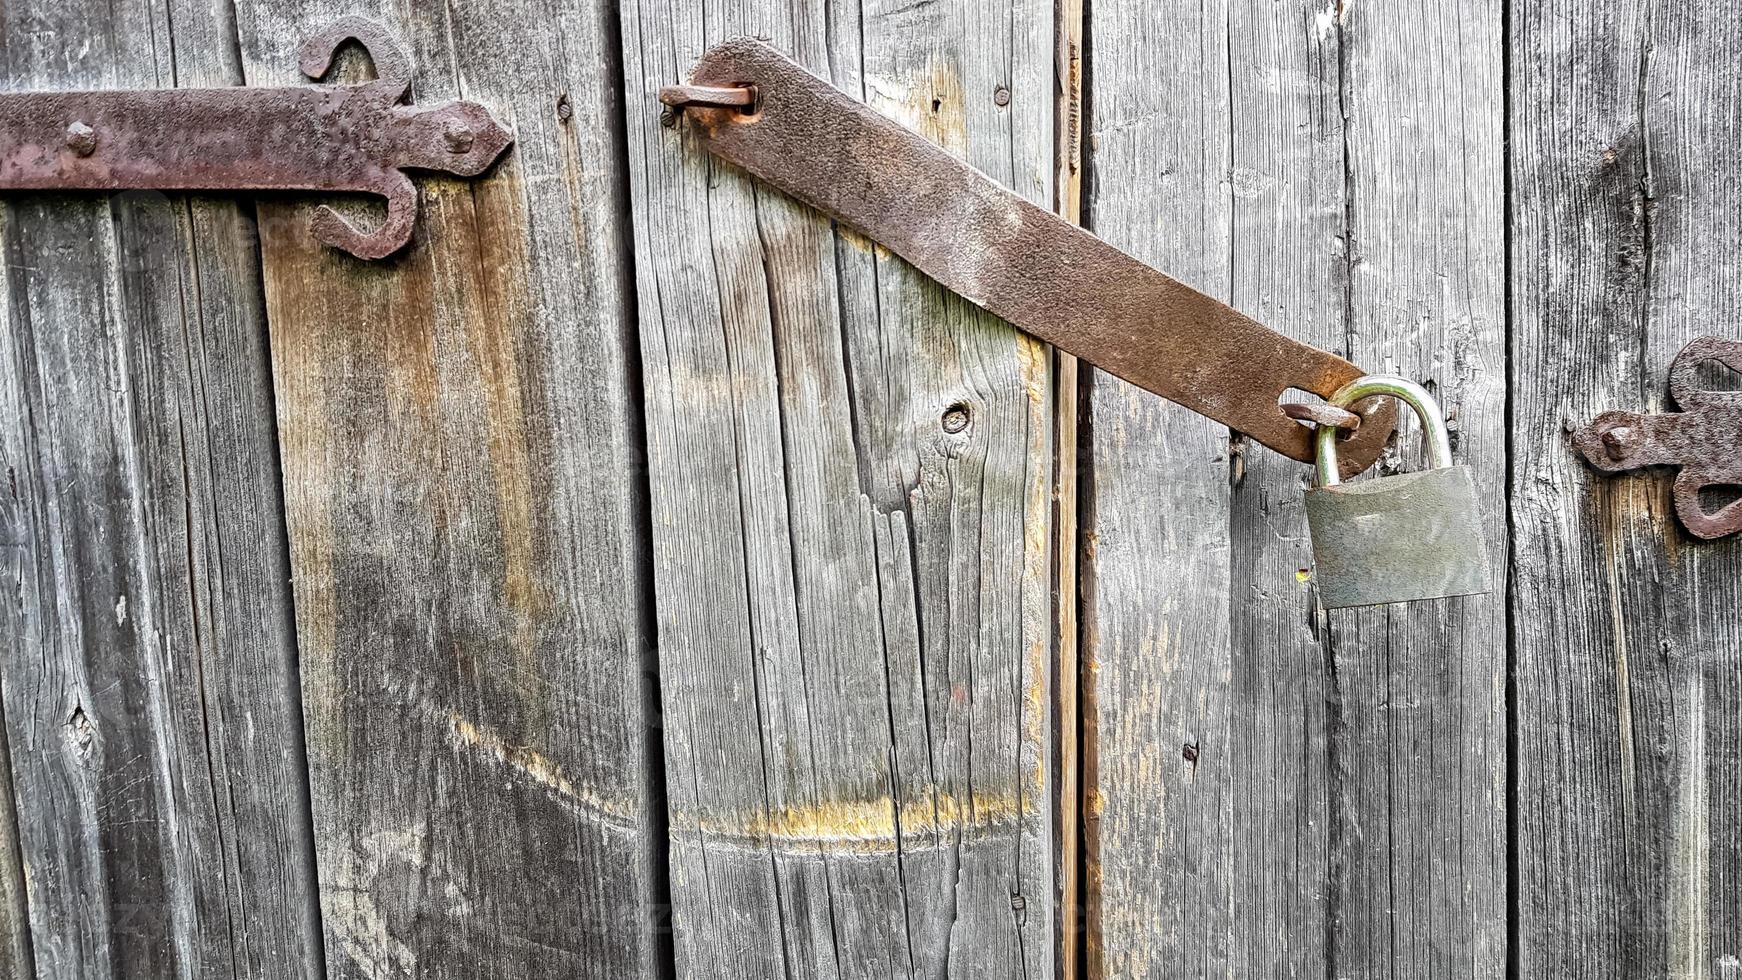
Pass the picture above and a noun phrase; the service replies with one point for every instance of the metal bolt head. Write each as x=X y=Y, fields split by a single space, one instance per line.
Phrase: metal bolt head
x=459 y=136
x=1001 y=95
x=564 y=111
x=1619 y=442
x=81 y=139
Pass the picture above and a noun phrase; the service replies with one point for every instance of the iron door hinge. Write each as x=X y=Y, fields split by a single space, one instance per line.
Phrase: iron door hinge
x=334 y=138
x=1704 y=439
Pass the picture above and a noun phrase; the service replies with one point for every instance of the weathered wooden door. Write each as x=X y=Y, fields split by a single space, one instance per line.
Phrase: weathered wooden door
x=639 y=576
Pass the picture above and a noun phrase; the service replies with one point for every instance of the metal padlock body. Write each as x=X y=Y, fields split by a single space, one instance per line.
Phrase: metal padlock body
x=1396 y=538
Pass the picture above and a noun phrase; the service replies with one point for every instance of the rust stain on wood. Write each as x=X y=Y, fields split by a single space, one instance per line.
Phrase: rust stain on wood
x=496 y=317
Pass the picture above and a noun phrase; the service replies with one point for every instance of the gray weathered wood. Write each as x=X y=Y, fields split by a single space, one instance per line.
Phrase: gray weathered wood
x=867 y=679
x=1628 y=719
x=16 y=960
x=478 y=539
x=146 y=645
x=1268 y=786
x=854 y=609
x=460 y=472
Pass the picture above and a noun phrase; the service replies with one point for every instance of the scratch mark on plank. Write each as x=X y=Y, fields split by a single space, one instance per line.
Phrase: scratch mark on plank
x=621 y=816
x=865 y=826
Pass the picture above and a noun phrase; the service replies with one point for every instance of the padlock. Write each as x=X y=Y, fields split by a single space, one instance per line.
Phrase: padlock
x=1395 y=538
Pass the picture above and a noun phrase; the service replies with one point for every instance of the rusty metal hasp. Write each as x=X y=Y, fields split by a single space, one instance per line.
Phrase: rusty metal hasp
x=755 y=108
x=338 y=138
x=1704 y=439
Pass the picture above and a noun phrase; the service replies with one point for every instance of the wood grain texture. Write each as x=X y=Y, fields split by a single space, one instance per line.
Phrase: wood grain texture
x=460 y=471
x=1627 y=632
x=850 y=476
x=17 y=961
x=148 y=656
x=1264 y=781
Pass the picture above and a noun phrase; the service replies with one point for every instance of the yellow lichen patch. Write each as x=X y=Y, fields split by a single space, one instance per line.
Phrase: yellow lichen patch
x=980 y=811
x=1032 y=355
x=1096 y=801
x=1037 y=533
x=856 y=240
x=866 y=826
x=1037 y=712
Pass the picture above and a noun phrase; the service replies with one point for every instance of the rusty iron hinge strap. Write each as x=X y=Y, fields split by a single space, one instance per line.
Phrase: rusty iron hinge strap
x=1010 y=257
x=1704 y=439
x=331 y=138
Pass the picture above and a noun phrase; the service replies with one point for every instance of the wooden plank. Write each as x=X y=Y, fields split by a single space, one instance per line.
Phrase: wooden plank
x=1628 y=705
x=850 y=477
x=149 y=662
x=460 y=472
x=1417 y=693
x=1234 y=823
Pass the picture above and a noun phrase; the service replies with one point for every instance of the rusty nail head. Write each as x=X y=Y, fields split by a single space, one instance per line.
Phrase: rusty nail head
x=1001 y=95
x=458 y=135
x=81 y=139
x=1618 y=442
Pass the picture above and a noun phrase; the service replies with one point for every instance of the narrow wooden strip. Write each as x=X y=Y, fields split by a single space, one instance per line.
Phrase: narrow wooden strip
x=16 y=959
x=149 y=670
x=1067 y=381
x=1628 y=703
x=460 y=474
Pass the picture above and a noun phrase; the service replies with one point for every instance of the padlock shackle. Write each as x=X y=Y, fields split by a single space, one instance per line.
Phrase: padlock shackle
x=1433 y=421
